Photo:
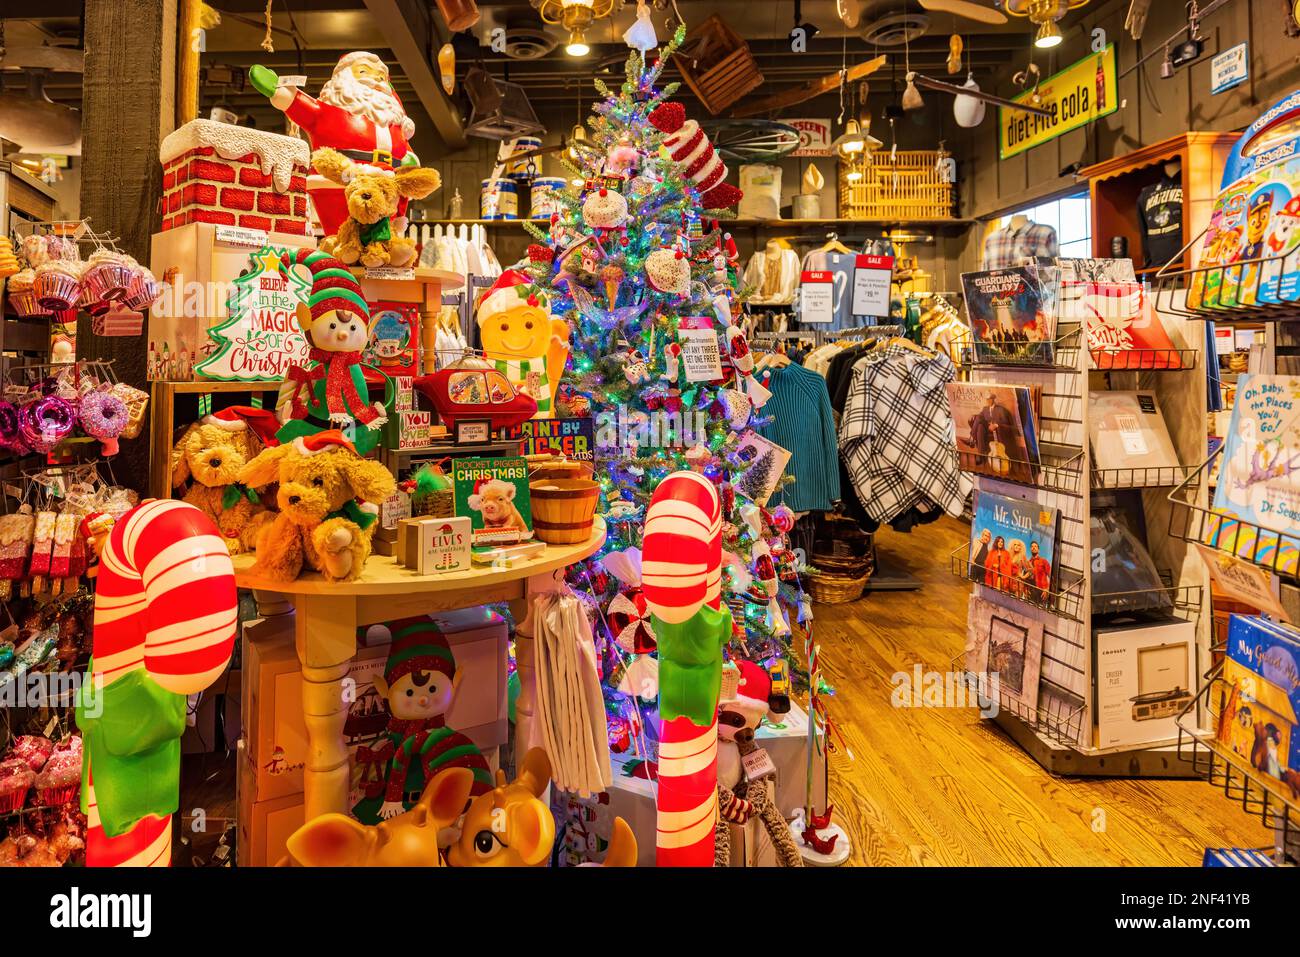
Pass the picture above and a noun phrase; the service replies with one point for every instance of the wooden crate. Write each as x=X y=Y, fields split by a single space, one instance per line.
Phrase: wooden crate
x=175 y=405
x=719 y=68
x=908 y=186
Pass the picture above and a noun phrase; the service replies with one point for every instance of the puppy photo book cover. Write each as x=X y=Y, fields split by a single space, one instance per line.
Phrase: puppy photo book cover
x=493 y=495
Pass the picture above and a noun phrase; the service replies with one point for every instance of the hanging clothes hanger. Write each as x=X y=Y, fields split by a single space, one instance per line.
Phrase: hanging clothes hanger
x=834 y=245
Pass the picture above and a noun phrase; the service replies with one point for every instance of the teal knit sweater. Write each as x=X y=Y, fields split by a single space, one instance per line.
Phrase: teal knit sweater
x=804 y=424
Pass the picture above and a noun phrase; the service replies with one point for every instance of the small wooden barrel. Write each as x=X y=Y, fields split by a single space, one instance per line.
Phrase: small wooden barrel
x=564 y=510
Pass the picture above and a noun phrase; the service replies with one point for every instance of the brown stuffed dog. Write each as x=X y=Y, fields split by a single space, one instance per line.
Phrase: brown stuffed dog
x=326 y=518
x=209 y=457
x=408 y=840
x=372 y=232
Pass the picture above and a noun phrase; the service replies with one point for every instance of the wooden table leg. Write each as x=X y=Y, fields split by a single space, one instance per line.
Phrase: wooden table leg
x=325 y=634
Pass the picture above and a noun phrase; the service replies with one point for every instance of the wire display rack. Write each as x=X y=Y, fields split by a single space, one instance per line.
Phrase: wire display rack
x=1064 y=599
x=1059 y=468
x=1144 y=360
x=1275 y=803
x=1273 y=551
x=1249 y=290
x=1156 y=476
x=1185 y=601
x=1060 y=720
x=1064 y=354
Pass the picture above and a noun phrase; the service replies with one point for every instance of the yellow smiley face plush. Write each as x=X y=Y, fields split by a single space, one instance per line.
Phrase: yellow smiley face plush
x=521 y=337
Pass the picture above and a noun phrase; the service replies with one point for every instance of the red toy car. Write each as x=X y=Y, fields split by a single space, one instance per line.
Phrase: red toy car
x=462 y=392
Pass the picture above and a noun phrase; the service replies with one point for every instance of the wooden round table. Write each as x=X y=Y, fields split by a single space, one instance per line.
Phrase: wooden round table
x=328 y=614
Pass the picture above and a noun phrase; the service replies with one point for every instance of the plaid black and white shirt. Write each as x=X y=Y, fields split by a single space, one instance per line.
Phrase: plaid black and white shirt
x=896 y=433
x=1007 y=247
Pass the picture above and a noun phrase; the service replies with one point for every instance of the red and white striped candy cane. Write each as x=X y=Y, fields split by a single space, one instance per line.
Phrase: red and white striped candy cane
x=681 y=554
x=681 y=572
x=165 y=601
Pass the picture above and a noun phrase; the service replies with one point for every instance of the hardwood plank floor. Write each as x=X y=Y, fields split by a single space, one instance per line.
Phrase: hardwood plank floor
x=937 y=786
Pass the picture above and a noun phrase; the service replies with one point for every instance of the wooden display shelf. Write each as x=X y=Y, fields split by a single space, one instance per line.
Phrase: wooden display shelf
x=328 y=614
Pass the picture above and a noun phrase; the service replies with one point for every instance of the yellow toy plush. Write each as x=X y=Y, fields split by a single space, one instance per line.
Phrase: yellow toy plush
x=372 y=233
x=327 y=498
x=206 y=463
x=522 y=339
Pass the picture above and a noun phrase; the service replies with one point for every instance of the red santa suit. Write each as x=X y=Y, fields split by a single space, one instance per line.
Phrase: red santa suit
x=357 y=137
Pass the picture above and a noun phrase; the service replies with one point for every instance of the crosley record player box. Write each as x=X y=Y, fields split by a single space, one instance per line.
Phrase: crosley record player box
x=1144 y=679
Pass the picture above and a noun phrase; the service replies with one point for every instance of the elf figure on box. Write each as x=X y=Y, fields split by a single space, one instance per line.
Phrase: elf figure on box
x=419 y=684
x=357 y=114
x=332 y=392
x=521 y=337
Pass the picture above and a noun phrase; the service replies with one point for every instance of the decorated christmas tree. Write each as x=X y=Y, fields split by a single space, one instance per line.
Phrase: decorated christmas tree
x=639 y=265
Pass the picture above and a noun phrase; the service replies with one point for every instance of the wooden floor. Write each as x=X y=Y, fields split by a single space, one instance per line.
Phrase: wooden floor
x=935 y=786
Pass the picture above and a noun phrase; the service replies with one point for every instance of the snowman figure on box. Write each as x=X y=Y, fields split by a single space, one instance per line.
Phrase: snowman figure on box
x=331 y=392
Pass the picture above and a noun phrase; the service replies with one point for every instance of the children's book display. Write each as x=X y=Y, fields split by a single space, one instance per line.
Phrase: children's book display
x=1258 y=481
x=1257 y=718
x=996 y=429
x=1255 y=217
x=1013 y=546
x=1009 y=320
x=493 y=494
x=1127 y=431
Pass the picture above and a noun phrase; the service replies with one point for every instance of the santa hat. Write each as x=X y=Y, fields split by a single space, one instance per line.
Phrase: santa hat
x=332 y=284
x=323 y=441
x=512 y=288
x=418 y=645
x=746 y=690
x=237 y=418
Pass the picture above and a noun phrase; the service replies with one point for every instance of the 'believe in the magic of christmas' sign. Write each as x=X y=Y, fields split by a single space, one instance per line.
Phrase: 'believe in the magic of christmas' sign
x=260 y=338
x=575 y=439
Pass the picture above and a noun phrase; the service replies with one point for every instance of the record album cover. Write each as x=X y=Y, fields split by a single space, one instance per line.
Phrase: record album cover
x=1007 y=643
x=1128 y=431
x=1009 y=321
x=995 y=430
x=1013 y=546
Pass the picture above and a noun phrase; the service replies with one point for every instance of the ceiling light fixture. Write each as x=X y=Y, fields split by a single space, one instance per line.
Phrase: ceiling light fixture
x=1044 y=14
x=853 y=141
x=575 y=16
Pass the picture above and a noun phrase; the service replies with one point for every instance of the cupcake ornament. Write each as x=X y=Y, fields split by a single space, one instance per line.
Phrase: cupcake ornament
x=668 y=271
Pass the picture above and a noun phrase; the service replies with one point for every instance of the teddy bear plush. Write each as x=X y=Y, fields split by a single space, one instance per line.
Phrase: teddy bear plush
x=372 y=232
x=326 y=502
x=205 y=466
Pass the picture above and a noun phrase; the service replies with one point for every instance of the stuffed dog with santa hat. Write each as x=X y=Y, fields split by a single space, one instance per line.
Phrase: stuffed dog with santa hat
x=206 y=462
x=328 y=506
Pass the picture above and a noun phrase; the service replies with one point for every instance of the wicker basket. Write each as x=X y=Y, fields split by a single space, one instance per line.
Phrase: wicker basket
x=564 y=510
x=832 y=589
x=847 y=566
x=908 y=187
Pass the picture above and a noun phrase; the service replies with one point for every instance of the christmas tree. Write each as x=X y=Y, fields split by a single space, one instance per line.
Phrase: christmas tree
x=639 y=265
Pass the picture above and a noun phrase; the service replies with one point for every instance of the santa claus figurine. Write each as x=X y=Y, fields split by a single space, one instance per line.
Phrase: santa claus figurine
x=357 y=114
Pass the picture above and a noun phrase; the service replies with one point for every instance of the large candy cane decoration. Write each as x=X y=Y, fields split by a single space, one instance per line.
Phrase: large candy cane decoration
x=681 y=574
x=165 y=621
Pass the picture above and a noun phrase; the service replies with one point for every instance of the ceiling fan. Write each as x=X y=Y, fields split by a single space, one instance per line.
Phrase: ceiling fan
x=967 y=9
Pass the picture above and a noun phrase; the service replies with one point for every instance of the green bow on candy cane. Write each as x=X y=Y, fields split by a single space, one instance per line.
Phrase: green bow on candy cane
x=236 y=491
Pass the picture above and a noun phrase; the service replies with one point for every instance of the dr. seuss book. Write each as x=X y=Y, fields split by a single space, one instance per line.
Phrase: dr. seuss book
x=1013 y=546
x=995 y=430
x=1008 y=319
x=1259 y=478
x=493 y=494
x=394 y=345
x=1256 y=216
x=1260 y=698
x=573 y=438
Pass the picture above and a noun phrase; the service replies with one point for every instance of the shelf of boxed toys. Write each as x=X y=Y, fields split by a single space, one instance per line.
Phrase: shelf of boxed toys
x=1199 y=524
x=1275 y=802
x=175 y=405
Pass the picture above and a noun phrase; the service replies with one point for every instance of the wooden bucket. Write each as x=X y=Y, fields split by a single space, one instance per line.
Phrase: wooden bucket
x=564 y=510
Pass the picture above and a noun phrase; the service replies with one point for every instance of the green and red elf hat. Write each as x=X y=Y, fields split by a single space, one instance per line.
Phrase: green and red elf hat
x=418 y=645
x=333 y=287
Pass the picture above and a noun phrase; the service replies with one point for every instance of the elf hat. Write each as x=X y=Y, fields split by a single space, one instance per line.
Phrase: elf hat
x=511 y=289
x=332 y=284
x=237 y=418
x=322 y=441
x=418 y=645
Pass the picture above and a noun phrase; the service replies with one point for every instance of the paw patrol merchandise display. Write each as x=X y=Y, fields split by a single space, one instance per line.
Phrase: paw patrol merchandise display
x=1256 y=217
